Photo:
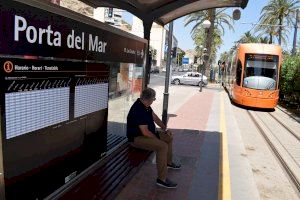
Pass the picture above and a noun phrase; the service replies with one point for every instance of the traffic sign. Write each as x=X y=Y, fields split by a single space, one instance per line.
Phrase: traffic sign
x=185 y=60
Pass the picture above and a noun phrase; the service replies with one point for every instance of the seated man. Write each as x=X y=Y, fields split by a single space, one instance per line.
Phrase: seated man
x=142 y=133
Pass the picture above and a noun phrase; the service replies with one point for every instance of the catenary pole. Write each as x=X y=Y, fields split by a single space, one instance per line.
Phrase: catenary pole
x=167 y=79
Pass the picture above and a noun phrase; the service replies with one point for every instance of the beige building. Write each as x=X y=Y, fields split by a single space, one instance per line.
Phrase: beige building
x=190 y=53
x=111 y=16
x=158 y=40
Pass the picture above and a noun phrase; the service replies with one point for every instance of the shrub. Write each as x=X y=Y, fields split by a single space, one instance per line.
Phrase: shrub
x=290 y=79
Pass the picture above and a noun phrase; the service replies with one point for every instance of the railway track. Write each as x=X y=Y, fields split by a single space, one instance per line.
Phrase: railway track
x=284 y=111
x=297 y=136
x=283 y=142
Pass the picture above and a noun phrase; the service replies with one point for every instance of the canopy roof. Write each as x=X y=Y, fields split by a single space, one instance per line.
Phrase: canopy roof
x=164 y=11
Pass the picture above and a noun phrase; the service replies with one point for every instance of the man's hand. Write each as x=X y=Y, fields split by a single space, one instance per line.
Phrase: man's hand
x=168 y=132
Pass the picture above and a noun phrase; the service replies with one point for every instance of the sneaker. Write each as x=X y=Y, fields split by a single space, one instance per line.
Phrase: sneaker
x=174 y=166
x=167 y=184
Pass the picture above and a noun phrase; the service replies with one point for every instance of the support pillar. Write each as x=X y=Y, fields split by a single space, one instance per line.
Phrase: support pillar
x=167 y=80
x=147 y=31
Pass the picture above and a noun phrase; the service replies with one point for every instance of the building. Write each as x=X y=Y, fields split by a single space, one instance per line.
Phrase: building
x=76 y=6
x=190 y=53
x=111 y=16
x=158 y=40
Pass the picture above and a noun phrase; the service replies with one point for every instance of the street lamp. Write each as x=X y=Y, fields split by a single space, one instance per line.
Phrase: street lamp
x=206 y=24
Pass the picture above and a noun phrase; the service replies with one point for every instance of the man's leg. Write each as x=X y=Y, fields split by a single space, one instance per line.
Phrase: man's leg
x=161 y=149
x=168 y=138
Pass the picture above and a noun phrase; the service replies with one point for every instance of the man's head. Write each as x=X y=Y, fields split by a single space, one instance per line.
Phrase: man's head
x=148 y=96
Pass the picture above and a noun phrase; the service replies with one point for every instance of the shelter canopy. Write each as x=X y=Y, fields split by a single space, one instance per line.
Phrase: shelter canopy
x=164 y=11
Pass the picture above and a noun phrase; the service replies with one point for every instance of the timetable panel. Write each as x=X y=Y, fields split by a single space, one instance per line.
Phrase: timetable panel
x=32 y=110
x=90 y=98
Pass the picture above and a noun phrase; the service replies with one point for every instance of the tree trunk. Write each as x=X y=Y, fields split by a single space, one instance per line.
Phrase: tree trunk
x=280 y=29
x=209 y=36
x=271 y=39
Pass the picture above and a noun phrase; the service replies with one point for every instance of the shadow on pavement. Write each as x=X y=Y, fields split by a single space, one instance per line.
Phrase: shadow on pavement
x=172 y=115
x=199 y=154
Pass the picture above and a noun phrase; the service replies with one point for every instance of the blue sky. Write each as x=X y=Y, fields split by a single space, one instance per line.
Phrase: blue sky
x=250 y=14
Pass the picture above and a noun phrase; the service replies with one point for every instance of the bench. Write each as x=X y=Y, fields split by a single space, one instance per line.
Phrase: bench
x=115 y=172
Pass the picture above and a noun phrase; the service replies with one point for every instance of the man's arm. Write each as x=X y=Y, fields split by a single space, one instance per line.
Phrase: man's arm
x=145 y=131
x=158 y=121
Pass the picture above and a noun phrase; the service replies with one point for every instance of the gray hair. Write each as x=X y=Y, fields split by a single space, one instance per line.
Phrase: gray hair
x=148 y=94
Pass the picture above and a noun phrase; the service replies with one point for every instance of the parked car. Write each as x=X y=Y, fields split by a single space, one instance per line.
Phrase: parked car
x=190 y=78
x=154 y=69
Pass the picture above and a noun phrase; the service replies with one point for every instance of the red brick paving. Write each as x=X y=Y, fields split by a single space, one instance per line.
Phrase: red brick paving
x=191 y=119
x=194 y=113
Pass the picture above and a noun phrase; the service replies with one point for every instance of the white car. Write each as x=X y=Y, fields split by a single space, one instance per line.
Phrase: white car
x=190 y=78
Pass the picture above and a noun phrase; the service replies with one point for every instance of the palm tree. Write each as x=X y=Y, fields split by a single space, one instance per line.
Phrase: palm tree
x=278 y=13
x=263 y=40
x=218 y=19
x=248 y=38
x=269 y=31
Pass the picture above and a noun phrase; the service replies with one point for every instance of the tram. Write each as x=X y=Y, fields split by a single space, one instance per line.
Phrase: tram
x=252 y=77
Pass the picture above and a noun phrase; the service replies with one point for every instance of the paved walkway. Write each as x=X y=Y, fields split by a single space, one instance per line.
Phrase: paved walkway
x=197 y=145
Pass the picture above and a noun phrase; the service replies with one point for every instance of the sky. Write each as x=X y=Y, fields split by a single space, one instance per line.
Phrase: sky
x=250 y=14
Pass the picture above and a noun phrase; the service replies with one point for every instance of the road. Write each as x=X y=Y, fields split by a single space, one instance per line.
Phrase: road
x=159 y=79
x=182 y=92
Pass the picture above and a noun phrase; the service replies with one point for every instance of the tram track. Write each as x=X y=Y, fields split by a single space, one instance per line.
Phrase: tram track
x=287 y=128
x=291 y=116
x=280 y=150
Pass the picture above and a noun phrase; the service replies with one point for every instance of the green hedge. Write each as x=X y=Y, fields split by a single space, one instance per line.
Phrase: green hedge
x=290 y=79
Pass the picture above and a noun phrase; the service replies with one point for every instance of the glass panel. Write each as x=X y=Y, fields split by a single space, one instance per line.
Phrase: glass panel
x=125 y=87
x=261 y=71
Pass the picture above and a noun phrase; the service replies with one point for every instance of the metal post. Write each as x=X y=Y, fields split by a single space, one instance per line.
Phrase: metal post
x=147 y=29
x=167 y=80
x=295 y=33
x=202 y=71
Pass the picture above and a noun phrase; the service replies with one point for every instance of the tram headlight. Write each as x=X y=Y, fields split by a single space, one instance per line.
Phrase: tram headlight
x=272 y=95
x=247 y=93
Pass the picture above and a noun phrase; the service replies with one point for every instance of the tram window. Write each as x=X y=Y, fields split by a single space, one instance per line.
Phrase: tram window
x=238 y=72
x=261 y=71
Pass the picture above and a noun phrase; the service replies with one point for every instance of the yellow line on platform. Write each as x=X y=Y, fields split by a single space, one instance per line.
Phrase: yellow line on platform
x=224 y=172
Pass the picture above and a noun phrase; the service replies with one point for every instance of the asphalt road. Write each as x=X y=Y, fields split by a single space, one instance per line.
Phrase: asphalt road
x=159 y=79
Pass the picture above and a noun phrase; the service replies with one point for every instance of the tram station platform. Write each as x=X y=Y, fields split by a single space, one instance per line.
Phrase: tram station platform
x=207 y=142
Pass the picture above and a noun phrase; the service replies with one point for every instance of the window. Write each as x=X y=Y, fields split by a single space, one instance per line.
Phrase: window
x=239 y=72
x=261 y=71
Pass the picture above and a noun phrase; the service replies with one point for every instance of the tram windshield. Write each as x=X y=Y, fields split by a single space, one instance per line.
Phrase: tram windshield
x=261 y=71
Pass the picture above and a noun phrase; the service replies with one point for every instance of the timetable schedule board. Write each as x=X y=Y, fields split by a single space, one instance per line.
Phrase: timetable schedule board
x=95 y=94
x=29 y=111
x=51 y=109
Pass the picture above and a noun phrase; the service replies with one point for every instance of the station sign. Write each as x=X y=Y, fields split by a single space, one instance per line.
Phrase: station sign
x=26 y=30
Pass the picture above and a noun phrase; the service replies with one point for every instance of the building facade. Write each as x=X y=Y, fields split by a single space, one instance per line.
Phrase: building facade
x=111 y=16
x=158 y=40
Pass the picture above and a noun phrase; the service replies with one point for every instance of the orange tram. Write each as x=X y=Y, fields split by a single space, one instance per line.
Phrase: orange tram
x=252 y=77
